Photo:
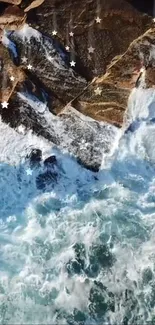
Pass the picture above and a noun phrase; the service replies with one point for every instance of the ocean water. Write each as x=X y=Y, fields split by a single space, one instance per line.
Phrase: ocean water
x=81 y=250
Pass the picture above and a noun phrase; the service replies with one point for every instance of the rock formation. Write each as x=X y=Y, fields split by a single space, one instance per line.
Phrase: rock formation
x=67 y=59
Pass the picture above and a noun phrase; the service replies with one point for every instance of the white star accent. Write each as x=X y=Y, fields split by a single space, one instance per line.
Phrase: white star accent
x=29 y=172
x=153 y=20
x=98 y=91
x=21 y=129
x=12 y=78
x=67 y=48
x=91 y=49
x=89 y=57
x=72 y=63
x=4 y=104
x=71 y=34
x=98 y=20
x=29 y=67
x=22 y=109
x=24 y=59
x=54 y=33
x=142 y=69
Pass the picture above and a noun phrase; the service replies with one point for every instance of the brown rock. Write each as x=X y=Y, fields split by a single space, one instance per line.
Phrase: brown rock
x=118 y=28
x=12 y=18
x=107 y=96
x=34 y=4
x=14 y=2
x=8 y=69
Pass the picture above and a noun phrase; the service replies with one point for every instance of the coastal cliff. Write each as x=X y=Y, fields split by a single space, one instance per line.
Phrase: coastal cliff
x=73 y=65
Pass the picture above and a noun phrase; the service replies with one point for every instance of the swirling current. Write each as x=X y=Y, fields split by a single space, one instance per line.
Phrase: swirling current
x=79 y=247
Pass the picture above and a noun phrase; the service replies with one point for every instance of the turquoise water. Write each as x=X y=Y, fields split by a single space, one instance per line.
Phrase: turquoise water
x=82 y=251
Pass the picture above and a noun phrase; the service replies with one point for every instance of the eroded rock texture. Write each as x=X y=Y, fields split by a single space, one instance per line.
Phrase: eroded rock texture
x=41 y=40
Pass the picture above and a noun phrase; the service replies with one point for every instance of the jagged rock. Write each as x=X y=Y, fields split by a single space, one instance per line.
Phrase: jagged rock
x=14 y=2
x=120 y=25
x=8 y=69
x=53 y=88
x=144 y=6
x=107 y=97
x=51 y=66
x=12 y=18
x=35 y=157
x=34 y=4
x=50 y=161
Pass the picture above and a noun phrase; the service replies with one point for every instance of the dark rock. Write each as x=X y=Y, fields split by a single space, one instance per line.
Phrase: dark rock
x=46 y=179
x=50 y=161
x=144 y=6
x=35 y=157
x=115 y=14
x=51 y=66
x=52 y=87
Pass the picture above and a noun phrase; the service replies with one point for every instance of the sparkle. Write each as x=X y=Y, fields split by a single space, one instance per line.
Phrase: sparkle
x=98 y=20
x=21 y=129
x=67 y=48
x=98 y=91
x=24 y=59
x=142 y=69
x=4 y=104
x=91 y=49
x=89 y=57
x=12 y=78
x=22 y=109
x=54 y=33
x=29 y=66
x=71 y=34
x=29 y=172
x=72 y=63
x=49 y=58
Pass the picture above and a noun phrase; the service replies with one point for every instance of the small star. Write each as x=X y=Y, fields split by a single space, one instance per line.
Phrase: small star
x=89 y=57
x=98 y=20
x=29 y=67
x=142 y=69
x=22 y=109
x=4 y=104
x=21 y=129
x=29 y=172
x=54 y=33
x=12 y=78
x=98 y=91
x=71 y=34
x=91 y=49
x=72 y=63
x=67 y=48
x=24 y=59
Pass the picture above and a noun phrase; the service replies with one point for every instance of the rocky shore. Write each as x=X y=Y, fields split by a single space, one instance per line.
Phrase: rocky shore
x=67 y=70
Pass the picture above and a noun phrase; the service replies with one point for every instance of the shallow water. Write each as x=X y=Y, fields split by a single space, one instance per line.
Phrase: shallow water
x=80 y=251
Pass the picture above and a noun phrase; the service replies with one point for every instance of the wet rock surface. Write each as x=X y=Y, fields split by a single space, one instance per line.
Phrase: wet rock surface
x=73 y=106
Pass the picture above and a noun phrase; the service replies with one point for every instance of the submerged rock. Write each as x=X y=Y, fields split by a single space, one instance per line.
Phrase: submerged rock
x=46 y=179
x=35 y=157
x=50 y=161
